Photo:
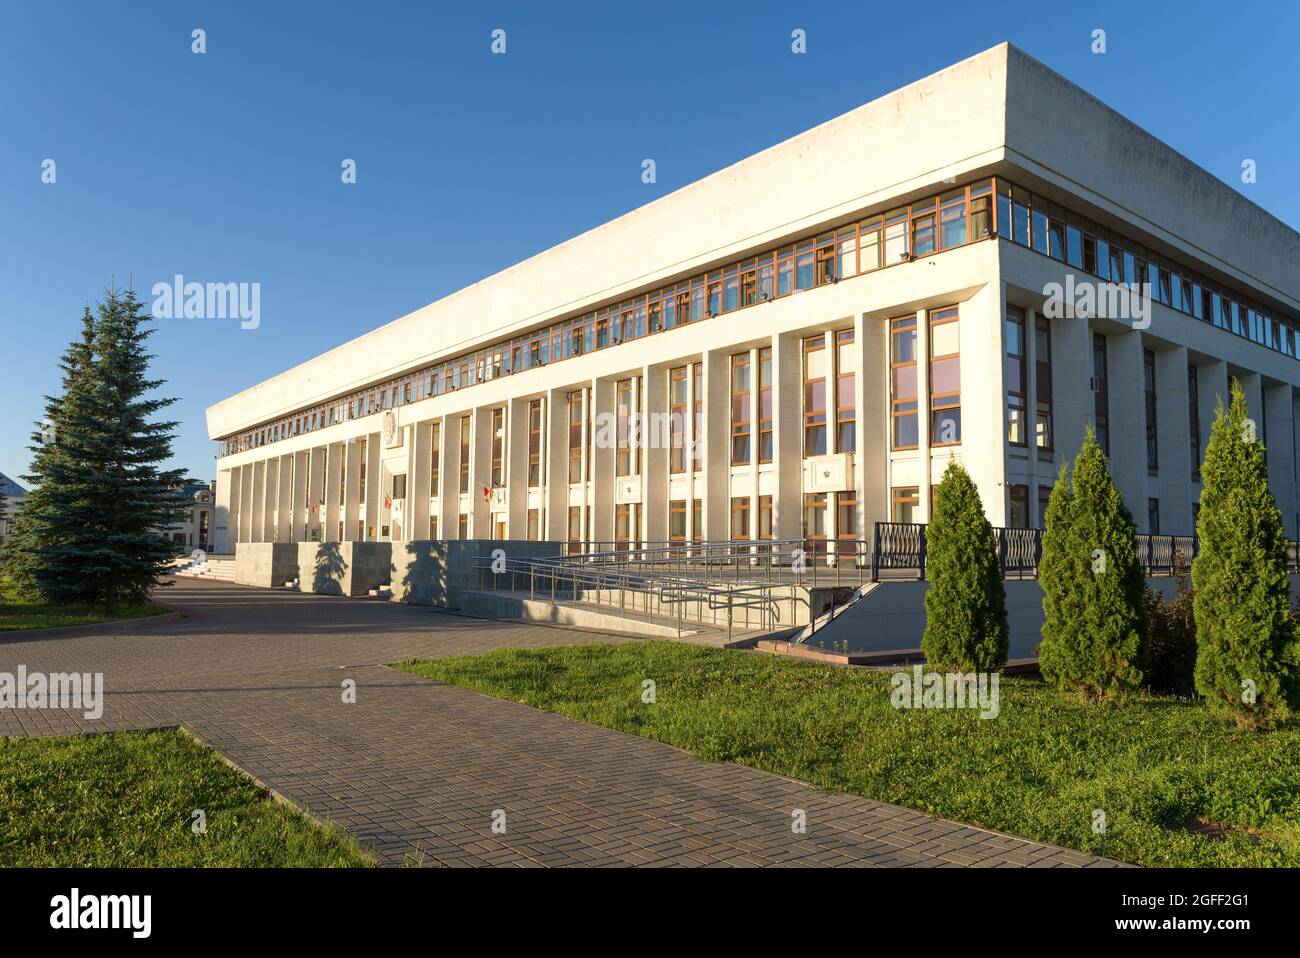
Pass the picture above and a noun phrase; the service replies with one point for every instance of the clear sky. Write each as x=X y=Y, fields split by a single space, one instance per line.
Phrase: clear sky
x=225 y=166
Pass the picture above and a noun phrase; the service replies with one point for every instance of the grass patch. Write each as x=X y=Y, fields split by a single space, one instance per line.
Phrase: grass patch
x=1039 y=769
x=125 y=799
x=18 y=614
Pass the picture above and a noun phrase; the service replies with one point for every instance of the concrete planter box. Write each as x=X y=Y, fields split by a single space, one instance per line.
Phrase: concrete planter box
x=343 y=568
x=440 y=571
x=266 y=564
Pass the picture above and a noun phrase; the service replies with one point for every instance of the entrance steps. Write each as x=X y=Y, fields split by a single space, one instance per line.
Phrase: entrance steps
x=220 y=568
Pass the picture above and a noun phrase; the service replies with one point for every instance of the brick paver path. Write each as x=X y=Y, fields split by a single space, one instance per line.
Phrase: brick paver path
x=417 y=768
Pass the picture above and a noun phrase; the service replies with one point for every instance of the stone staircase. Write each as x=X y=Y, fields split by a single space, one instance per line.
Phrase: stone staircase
x=219 y=568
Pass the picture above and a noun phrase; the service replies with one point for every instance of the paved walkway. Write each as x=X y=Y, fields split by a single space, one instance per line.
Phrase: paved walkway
x=417 y=768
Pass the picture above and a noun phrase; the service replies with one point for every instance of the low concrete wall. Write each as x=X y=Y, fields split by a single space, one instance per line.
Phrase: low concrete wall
x=440 y=571
x=892 y=616
x=343 y=568
x=266 y=564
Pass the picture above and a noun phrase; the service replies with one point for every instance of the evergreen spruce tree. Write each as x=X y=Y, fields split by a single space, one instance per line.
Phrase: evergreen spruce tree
x=122 y=447
x=965 y=606
x=35 y=530
x=1094 y=628
x=1248 y=656
x=94 y=529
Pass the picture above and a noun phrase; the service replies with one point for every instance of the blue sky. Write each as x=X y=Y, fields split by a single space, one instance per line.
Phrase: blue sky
x=225 y=167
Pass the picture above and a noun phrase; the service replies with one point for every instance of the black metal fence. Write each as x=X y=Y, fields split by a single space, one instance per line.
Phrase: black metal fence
x=900 y=547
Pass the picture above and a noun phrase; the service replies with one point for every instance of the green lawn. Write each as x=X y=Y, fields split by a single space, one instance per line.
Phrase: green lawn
x=17 y=614
x=127 y=800
x=1177 y=786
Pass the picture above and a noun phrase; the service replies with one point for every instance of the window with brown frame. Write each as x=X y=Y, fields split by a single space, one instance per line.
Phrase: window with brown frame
x=814 y=522
x=765 y=404
x=462 y=526
x=1149 y=384
x=677 y=421
x=903 y=382
x=765 y=517
x=741 y=424
x=433 y=527
x=575 y=529
x=945 y=377
x=1018 y=516
x=1015 y=376
x=739 y=518
x=846 y=515
x=697 y=519
x=361 y=461
x=1194 y=419
x=1043 y=431
x=814 y=395
x=1100 y=392
x=697 y=432
x=435 y=457
x=846 y=379
x=534 y=525
x=464 y=454
x=625 y=409
x=677 y=520
x=575 y=435
x=534 y=443
x=498 y=474
x=906 y=505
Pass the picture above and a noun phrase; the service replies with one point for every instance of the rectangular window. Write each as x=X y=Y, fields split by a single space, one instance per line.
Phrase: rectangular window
x=1043 y=385
x=740 y=518
x=846 y=516
x=1149 y=383
x=902 y=362
x=741 y=424
x=1018 y=516
x=697 y=427
x=1044 y=497
x=814 y=522
x=1100 y=393
x=622 y=526
x=462 y=526
x=765 y=404
x=814 y=396
x=677 y=520
x=1153 y=516
x=361 y=460
x=1015 y=374
x=895 y=236
x=575 y=436
x=625 y=409
x=765 y=517
x=464 y=455
x=677 y=421
x=945 y=377
x=534 y=525
x=952 y=219
x=575 y=529
x=435 y=456
x=498 y=448
x=846 y=369
x=697 y=519
x=534 y=443
x=1194 y=419
x=433 y=527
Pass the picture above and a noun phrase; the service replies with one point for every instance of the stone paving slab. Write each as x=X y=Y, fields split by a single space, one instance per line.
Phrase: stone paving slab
x=416 y=768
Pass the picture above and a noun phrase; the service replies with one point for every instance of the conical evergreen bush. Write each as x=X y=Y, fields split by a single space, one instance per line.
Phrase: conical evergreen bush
x=1248 y=656
x=965 y=606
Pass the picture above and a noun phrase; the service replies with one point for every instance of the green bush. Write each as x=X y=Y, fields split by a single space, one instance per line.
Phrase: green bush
x=1094 y=623
x=966 y=605
x=1248 y=657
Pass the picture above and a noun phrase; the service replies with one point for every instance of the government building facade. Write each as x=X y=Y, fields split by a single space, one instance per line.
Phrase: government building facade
x=796 y=346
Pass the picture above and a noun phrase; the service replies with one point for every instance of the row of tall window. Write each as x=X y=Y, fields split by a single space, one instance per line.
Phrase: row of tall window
x=961 y=215
x=1017 y=381
x=945 y=221
x=944 y=373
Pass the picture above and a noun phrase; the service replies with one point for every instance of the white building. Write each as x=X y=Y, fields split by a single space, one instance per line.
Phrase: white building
x=827 y=323
x=193 y=525
x=11 y=495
